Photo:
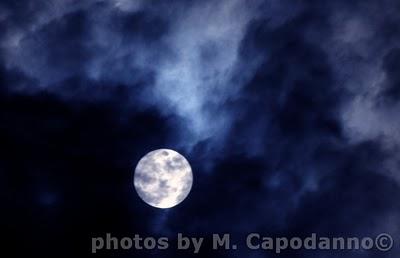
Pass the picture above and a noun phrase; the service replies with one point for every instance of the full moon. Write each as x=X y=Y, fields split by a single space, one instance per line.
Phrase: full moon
x=163 y=178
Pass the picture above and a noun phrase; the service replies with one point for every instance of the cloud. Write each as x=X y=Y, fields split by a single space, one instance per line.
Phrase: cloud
x=198 y=78
x=391 y=64
x=193 y=64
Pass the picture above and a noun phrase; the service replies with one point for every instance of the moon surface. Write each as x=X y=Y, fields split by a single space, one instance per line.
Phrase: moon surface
x=163 y=178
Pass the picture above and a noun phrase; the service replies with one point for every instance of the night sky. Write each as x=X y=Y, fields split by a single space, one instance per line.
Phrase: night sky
x=287 y=111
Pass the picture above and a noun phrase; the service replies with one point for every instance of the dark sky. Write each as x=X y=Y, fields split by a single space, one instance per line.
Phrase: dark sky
x=288 y=112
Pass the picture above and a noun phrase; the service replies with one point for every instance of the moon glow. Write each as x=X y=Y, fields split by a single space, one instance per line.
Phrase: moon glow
x=163 y=178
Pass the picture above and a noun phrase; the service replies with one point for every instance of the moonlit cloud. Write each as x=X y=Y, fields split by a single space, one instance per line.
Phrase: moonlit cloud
x=197 y=79
x=194 y=67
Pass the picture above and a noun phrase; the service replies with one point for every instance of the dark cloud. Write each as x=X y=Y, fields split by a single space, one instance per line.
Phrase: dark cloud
x=59 y=46
x=391 y=64
x=68 y=163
